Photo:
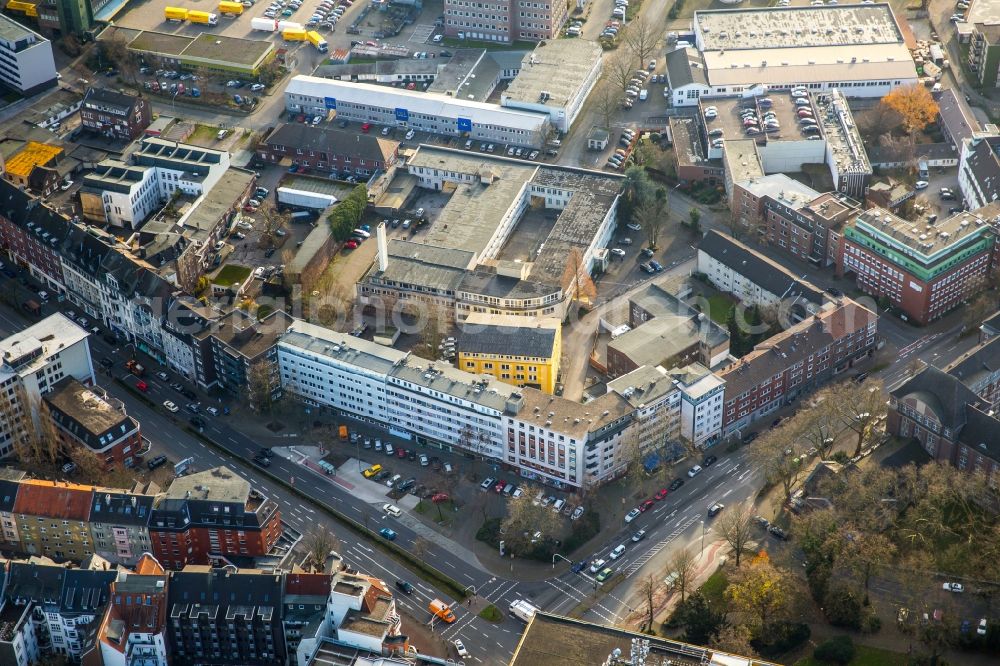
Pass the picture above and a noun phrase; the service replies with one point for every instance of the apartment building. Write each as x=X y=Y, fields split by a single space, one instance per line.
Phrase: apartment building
x=305 y=599
x=923 y=270
x=212 y=516
x=979 y=170
x=10 y=483
x=229 y=352
x=796 y=361
x=115 y=115
x=503 y=20
x=53 y=519
x=132 y=629
x=754 y=279
x=225 y=616
x=86 y=416
x=702 y=392
x=521 y=351
x=979 y=370
x=34 y=361
x=30 y=66
x=361 y=612
x=656 y=400
x=980 y=29
x=328 y=149
x=119 y=525
x=35 y=167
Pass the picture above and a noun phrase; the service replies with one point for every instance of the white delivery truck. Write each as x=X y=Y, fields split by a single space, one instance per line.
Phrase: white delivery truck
x=288 y=196
x=523 y=610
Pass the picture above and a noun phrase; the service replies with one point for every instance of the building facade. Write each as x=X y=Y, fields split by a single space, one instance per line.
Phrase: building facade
x=115 y=115
x=88 y=417
x=503 y=21
x=30 y=66
x=328 y=149
x=516 y=350
x=924 y=271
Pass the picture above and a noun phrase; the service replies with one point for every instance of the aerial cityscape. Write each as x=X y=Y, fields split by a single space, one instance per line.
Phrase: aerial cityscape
x=429 y=332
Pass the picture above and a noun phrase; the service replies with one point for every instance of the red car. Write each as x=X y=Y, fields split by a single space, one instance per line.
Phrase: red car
x=500 y=486
x=366 y=127
x=440 y=497
x=400 y=453
x=645 y=506
x=660 y=494
x=350 y=245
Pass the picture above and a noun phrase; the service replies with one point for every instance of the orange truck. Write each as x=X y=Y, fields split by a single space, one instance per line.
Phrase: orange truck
x=442 y=610
x=133 y=366
x=343 y=432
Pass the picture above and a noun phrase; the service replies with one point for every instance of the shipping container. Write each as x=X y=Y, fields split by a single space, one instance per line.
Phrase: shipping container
x=304 y=199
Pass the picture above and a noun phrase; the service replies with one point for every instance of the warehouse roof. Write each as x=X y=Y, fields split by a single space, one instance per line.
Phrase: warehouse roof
x=796 y=27
x=212 y=47
x=558 y=68
x=415 y=102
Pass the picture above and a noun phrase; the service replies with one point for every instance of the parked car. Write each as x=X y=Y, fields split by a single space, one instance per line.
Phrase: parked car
x=632 y=515
x=953 y=587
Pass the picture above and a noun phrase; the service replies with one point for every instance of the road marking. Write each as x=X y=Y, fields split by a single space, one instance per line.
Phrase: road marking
x=682 y=526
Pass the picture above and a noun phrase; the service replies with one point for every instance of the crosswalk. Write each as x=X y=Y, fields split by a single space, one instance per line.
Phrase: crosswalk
x=652 y=552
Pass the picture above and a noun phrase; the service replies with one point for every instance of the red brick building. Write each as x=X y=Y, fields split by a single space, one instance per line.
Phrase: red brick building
x=796 y=361
x=86 y=416
x=212 y=517
x=328 y=149
x=923 y=270
x=114 y=114
x=33 y=243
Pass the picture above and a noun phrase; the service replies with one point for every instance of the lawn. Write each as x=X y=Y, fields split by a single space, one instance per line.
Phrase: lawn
x=714 y=589
x=718 y=308
x=231 y=273
x=864 y=656
x=203 y=133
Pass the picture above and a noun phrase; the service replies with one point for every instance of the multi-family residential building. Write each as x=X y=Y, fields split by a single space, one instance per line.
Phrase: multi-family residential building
x=980 y=30
x=664 y=330
x=52 y=519
x=979 y=170
x=119 y=525
x=29 y=63
x=10 y=479
x=795 y=361
x=792 y=217
x=656 y=403
x=305 y=599
x=212 y=516
x=503 y=20
x=132 y=630
x=702 y=392
x=34 y=361
x=924 y=270
x=516 y=350
x=979 y=370
x=328 y=149
x=34 y=167
x=87 y=417
x=115 y=115
x=225 y=616
x=754 y=279
x=361 y=612
x=228 y=353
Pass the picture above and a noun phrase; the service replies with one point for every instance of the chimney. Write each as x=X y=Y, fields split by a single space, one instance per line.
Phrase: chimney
x=383 y=248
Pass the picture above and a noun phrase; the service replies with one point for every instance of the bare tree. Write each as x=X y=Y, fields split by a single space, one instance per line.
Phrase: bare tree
x=648 y=585
x=318 y=544
x=619 y=68
x=273 y=220
x=818 y=425
x=860 y=407
x=683 y=563
x=736 y=527
x=524 y=518
x=260 y=386
x=606 y=102
x=652 y=216
x=641 y=38
x=777 y=453
x=576 y=279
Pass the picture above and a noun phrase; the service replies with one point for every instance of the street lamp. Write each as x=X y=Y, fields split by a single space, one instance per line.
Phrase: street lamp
x=555 y=555
x=702 y=537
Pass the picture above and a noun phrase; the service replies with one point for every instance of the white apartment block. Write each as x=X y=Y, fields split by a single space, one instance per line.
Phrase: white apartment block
x=702 y=399
x=34 y=360
x=28 y=64
x=18 y=638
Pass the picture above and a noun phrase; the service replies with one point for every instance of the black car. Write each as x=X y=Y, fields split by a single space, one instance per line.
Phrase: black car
x=193 y=407
x=107 y=362
x=197 y=421
x=776 y=422
x=708 y=461
x=833 y=291
x=110 y=339
x=411 y=454
x=189 y=394
x=383 y=475
x=404 y=586
x=262 y=460
x=156 y=462
x=579 y=566
x=265 y=452
x=749 y=437
x=676 y=483
x=403 y=486
x=777 y=532
x=269 y=253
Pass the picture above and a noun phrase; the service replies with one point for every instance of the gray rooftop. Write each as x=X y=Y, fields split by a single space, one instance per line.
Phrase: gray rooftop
x=532 y=338
x=958 y=121
x=218 y=202
x=347 y=349
x=642 y=386
x=841 y=133
x=220 y=484
x=438 y=269
x=780 y=187
x=742 y=160
x=557 y=67
x=11 y=31
x=686 y=66
x=445 y=379
x=797 y=27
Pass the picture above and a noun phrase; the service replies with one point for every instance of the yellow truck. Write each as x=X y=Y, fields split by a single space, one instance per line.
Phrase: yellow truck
x=442 y=610
x=204 y=18
x=294 y=35
x=233 y=8
x=175 y=14
x=317 y=40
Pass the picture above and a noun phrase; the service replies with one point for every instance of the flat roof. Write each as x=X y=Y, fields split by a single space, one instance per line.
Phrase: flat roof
x=444 y=379
x=52 y=334
x=643 y=385
x=796 y=27
x=688 y=148
x=742 y=159
x=219 y=484
x=472 y=215
x=841 y=132
x=214 y=205
x=413 y=264
x=570 y=417
x=160 y=42
x=86 y=406
x=344 y=348
x=557 y=67
x=984 y=12
x=12 y=31
x=927 y=242
x=213 y=47
x=780 y=187
x=415 y=102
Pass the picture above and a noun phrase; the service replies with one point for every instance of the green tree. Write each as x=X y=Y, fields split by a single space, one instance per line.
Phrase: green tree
x=739 y=341
x=637 y=190
x=701 y=623
x=695 y=217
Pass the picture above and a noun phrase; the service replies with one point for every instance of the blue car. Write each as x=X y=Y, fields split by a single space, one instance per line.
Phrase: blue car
x=655 y=265
x=579 y=566
x=387 y=533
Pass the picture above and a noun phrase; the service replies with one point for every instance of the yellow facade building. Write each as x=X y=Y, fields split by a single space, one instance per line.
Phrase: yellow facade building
x=523 y=351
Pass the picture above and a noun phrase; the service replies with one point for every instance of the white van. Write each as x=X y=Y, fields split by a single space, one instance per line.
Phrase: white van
x=643 y=95
x=557 y=507
x=618 y=552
